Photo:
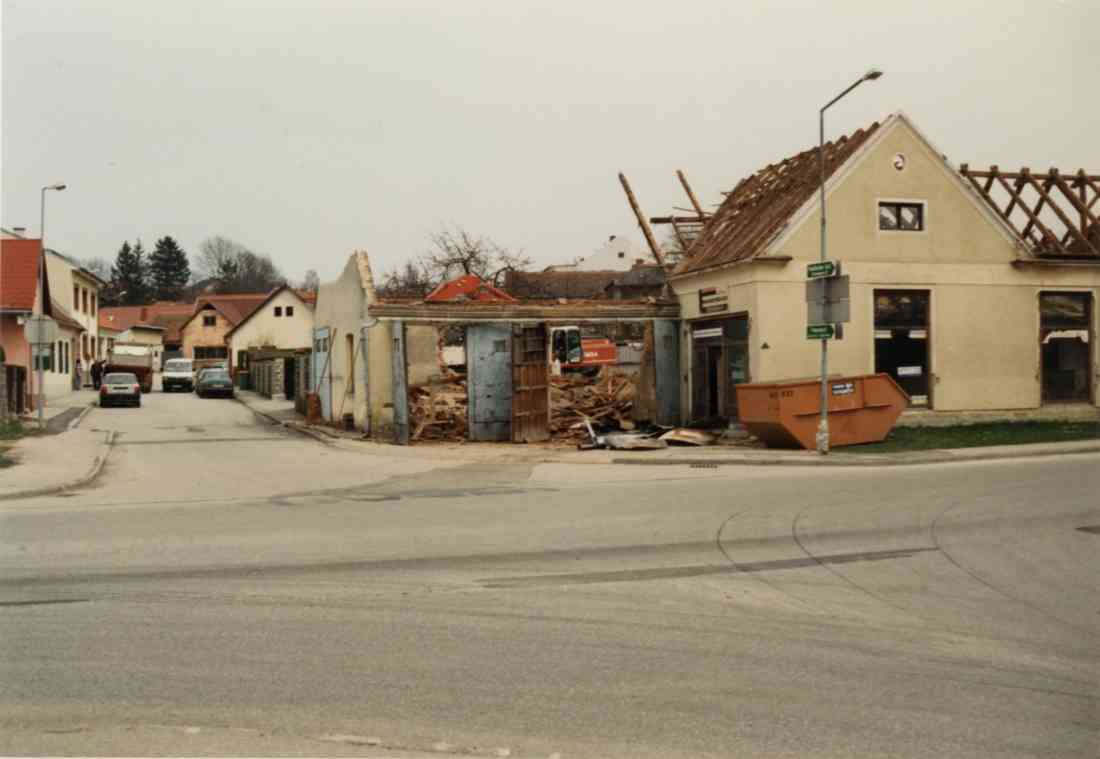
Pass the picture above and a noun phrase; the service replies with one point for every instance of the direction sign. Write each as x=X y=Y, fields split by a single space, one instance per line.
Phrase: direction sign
x=820 y=269
x=820 y=331
x=40 y=330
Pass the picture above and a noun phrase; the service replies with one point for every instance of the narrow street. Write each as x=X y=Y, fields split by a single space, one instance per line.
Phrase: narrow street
x=230 y=587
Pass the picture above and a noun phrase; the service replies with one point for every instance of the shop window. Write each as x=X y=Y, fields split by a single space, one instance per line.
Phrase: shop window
x=1065 y=337
x=901 y=340
x=901 y=217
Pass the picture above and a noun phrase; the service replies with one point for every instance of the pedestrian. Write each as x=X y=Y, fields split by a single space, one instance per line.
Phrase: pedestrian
x=78 y=375
x=97 y=374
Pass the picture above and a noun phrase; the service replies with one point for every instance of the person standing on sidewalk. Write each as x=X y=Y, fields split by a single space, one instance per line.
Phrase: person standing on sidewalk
x=78 y=375
x=97 y=374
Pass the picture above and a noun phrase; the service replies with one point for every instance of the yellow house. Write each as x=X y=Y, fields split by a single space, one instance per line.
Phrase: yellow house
x=969 y=310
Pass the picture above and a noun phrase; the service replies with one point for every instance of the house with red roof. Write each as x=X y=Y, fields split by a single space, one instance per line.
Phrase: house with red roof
x=20 y=269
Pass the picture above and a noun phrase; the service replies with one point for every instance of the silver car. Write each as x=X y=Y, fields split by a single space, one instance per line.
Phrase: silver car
x=120 y=388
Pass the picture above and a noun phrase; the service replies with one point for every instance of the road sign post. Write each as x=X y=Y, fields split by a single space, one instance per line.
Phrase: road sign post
x=40 y=331
x=827 y=309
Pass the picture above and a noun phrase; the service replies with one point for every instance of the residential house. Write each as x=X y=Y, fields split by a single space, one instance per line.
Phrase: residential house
x=167 y=315
x=966 y=311
x=20 y=270
x=76 y=290
x=283 y=320
x=203 y=334
x=617 y=254
x=146 y=336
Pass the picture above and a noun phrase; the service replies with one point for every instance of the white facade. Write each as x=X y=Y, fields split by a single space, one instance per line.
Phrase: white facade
x=617 y=254
x=75 y=290
x=283 y=321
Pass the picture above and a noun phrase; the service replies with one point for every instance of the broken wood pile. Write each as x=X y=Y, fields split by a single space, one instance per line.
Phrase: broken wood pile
x=607 y=401
x=437 y=411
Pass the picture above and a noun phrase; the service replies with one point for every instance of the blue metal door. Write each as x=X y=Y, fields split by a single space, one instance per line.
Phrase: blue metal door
x=489 y=381
x=321 y=369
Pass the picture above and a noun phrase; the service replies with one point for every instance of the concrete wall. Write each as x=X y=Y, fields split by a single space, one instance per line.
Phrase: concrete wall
x=984 y=314
x=266 y=329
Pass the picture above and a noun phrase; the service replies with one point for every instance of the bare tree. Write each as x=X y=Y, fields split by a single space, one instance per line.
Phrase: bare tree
x=411 y=281
x=236 y=268
x=456 y=252
x=311 y=281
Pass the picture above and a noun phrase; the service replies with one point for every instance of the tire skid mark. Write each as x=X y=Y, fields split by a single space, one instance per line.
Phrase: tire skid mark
x=741 y=569
x=840 y=575
x=934 y=532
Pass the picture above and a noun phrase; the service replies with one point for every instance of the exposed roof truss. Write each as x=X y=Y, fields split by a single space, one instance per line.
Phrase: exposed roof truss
x=1057 y=215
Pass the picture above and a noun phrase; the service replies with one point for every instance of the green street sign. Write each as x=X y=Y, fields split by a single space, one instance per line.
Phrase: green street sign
x=820 y=331
x=823 y=269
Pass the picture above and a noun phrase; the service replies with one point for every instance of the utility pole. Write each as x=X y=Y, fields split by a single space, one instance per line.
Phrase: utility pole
x=36 y=349
x=823 y=427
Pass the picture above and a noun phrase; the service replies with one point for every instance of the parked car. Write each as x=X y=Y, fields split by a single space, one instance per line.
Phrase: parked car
x=120 y=388
x=214 y=382
x=179 y=374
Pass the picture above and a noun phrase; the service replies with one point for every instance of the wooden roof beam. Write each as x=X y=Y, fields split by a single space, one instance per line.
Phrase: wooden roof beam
x=654 y=248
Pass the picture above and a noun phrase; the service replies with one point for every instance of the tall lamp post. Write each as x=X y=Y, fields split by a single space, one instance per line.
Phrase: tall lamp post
x=58 y=186
x=823 y=427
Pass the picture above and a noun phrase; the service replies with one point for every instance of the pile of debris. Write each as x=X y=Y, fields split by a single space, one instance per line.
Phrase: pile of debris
x=437 y=411
x=606 y=402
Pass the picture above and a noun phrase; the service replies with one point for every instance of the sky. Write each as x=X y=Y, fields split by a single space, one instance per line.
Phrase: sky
x=305 y=129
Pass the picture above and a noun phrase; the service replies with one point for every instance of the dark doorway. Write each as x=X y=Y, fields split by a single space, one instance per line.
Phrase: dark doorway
x=720 y=362
x=1065 y=340
x=901 y=341
x=290 y=377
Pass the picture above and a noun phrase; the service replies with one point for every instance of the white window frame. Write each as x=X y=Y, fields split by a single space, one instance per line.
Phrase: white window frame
x=925 y=225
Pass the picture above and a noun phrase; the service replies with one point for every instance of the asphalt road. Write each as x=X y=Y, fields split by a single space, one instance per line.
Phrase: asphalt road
x=230 y=588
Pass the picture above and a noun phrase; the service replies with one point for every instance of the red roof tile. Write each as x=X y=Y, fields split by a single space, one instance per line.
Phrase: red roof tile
x=19 y=260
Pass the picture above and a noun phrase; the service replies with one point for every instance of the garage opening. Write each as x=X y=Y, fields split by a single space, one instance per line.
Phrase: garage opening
x=1065 y=339
x=902 y=341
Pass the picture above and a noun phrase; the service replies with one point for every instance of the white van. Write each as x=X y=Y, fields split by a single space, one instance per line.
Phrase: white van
x=178 y=374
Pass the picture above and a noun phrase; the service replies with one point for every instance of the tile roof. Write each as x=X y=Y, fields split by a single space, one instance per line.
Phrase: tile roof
x=255 y=309
x=558 y=284
x=170 y=316
x=761 y=204
x=18 y=274
x=235 y=307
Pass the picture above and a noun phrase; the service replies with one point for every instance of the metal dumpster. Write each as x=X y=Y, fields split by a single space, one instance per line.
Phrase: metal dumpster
x=786 y=414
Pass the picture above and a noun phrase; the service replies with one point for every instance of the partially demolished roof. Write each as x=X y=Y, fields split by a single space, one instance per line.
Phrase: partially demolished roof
x=558 y=284
x=1056 y=215
x=760 y=205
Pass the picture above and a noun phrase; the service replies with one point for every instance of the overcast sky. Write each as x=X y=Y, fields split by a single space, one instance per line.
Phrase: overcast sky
x=307 y=128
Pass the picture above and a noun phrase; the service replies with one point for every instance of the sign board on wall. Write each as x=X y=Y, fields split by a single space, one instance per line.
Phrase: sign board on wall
x=701 y=334
x=910 y=371
x=712 y=300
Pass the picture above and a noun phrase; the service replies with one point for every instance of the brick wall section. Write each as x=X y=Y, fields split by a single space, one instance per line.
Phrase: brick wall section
x=195 y=334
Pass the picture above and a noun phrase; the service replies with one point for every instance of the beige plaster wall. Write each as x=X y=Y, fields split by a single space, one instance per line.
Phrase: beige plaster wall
x=266 y=329
x=195 y=333
x=984 y=330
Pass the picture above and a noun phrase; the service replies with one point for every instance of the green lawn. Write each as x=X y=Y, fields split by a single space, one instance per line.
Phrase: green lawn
x=977 y=435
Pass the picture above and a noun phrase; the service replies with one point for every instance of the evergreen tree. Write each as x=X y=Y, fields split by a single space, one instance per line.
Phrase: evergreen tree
x=169 y=270
x=128 y=275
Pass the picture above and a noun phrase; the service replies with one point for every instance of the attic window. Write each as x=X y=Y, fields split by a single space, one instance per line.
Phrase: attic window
x=209 y=320
x=290 y=310
x=901 y=217
x=278 y=310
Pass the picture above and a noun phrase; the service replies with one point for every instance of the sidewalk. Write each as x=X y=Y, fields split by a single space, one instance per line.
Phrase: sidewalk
x=282 y=412
x=59 y=412
x=51 y=463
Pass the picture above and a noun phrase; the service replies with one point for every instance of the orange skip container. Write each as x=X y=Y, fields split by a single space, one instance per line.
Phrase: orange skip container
x=785 y=414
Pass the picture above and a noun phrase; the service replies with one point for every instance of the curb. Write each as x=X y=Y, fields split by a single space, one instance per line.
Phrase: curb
x=90 y=477
x=76 y=422
x=942 y=456
x=319 y=437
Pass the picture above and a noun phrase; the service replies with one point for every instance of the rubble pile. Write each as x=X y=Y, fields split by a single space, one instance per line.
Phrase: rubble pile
x=437 y=411
x=607 y=401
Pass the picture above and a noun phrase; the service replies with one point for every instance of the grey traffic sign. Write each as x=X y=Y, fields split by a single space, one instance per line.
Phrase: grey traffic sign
x=825 y=312
x=40 y=330
x=829 y=289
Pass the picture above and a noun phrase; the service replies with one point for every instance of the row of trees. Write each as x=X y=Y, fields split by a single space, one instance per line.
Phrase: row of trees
x=221 y=266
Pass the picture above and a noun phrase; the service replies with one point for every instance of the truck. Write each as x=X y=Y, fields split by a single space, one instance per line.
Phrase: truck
x=134 y=358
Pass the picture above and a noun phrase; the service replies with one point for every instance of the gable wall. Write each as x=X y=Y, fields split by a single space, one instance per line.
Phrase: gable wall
x=264 y=328
x=197 y=334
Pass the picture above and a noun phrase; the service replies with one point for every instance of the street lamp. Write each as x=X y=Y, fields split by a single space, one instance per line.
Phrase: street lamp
x=58 y=186
x=823 y=427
